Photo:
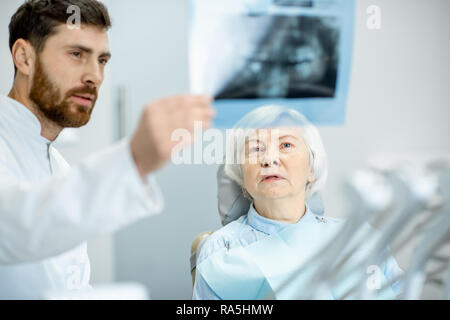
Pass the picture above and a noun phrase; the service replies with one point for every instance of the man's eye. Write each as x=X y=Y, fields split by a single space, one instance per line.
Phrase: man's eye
x=103 y=61
x=76 y=54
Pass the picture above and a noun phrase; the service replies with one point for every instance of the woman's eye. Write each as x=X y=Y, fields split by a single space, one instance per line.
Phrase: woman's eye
x=286 y=145
x=255 y=149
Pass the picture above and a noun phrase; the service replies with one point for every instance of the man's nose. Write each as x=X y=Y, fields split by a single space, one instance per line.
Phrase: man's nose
x=93 y=76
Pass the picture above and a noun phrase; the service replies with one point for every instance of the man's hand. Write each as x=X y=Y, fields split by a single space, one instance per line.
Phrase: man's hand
x=151 y=145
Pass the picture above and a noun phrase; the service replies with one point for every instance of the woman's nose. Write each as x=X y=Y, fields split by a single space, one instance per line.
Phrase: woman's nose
x=269 y=160
x=267 y=164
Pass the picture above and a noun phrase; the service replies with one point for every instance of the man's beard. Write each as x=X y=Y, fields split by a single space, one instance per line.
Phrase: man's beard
x=55 y=106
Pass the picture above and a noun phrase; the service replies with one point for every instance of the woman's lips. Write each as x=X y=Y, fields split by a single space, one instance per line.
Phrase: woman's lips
x=271 y=178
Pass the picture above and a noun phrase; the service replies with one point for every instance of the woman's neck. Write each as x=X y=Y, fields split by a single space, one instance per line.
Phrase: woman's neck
x=289 y=210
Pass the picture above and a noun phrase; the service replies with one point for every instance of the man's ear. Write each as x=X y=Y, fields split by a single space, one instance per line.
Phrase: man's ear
x=23 y=55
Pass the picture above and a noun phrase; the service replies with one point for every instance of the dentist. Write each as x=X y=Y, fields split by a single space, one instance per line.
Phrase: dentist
x=48 y=210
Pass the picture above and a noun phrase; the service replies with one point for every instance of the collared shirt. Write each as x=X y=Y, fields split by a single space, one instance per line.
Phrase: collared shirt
x=48 y=211
x=251 y=228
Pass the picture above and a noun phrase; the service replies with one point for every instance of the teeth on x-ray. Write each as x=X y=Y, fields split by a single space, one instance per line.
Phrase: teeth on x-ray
x=294 y=3
x=297 y=57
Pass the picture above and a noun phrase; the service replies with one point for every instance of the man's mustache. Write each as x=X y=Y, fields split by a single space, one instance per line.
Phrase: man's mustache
x=83 y=90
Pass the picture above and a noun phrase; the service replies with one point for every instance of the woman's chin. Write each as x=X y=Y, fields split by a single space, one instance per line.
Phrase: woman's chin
x=274 y=193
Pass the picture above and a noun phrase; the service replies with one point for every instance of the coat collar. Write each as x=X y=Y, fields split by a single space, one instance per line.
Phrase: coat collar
x=22 y=120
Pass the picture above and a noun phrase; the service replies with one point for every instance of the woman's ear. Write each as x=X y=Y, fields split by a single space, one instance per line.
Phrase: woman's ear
x=245 y=193
x=23 y=56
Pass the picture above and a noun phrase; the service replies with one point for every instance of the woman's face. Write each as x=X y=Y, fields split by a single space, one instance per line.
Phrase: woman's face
x=276 y=164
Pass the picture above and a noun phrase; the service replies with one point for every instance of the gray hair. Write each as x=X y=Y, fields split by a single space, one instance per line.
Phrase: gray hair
x=275 y=116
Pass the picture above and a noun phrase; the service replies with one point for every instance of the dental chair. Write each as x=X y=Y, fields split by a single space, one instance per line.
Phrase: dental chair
x=195 y=251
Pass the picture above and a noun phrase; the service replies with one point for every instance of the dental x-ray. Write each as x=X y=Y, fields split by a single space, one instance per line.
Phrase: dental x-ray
x=295 y=58
x=291 y=52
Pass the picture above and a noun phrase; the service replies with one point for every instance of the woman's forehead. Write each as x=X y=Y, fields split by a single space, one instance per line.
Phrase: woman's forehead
x=279 y=132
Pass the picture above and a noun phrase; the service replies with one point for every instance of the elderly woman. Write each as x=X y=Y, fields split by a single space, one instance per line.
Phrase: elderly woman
x=279 y=160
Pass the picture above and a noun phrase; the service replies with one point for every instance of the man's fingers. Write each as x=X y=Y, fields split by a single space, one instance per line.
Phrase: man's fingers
x=202 y=99
x=211 y=112
x=184 y=110
x=189 y=122
x=201 y=115
x=192 y=100
x=201 y=102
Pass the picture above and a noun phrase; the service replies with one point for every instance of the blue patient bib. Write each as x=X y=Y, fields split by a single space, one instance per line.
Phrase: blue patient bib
x=258 y=270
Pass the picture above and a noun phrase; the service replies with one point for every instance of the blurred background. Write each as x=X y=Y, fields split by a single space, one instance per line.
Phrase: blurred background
x=398 y=106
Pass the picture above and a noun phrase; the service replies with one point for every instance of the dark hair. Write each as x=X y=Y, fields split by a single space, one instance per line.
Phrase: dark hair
x=36 y=20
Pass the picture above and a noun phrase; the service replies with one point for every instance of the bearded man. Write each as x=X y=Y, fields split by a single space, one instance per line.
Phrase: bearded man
x=48 y=210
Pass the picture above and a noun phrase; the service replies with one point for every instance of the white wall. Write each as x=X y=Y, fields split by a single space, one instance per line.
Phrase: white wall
x=399 y=93
x=7 y=8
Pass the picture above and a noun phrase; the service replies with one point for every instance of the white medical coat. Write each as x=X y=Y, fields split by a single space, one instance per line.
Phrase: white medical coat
x=48 y=211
